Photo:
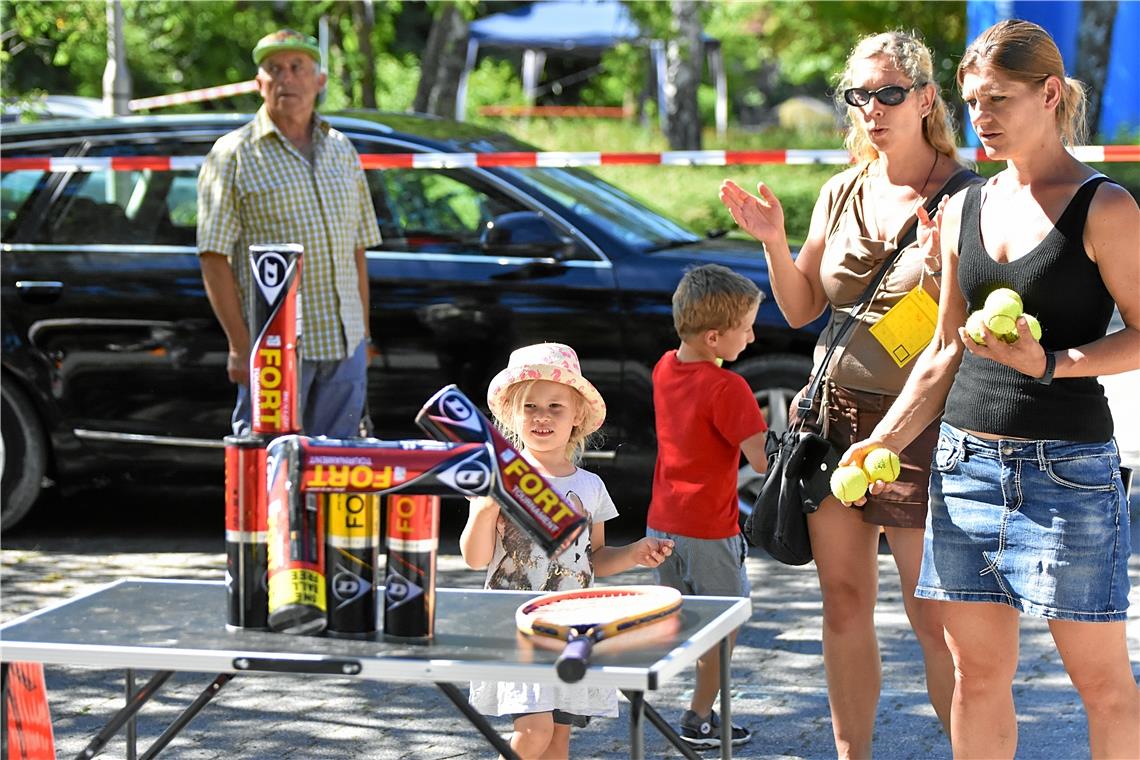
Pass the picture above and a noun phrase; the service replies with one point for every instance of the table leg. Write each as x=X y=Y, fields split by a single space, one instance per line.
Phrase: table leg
x=636 y=729
x=187 y=715
x=132 y=724
x=140 y=698
x=489 y=733
x=725 y=699
x=661 y=725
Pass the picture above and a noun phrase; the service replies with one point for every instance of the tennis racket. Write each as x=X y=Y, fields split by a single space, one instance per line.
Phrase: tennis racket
x=586 y=616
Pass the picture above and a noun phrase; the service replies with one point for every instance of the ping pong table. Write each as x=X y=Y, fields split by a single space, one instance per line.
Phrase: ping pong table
x=169 y=626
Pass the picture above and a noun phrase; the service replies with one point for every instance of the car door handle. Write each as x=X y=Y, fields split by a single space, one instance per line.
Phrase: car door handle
x=533 y=270
x=39 y=291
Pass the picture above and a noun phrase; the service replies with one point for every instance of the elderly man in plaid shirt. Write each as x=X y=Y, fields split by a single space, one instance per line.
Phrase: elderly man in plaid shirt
x=288 y=177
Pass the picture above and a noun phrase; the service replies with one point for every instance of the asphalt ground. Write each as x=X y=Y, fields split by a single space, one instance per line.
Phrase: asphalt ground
x=779 y=688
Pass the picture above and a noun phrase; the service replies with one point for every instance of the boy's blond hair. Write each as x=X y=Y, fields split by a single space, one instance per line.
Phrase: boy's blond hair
x=712 y=297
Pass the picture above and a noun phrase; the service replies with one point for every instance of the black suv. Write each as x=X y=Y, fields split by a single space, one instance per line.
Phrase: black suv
x=113 y=362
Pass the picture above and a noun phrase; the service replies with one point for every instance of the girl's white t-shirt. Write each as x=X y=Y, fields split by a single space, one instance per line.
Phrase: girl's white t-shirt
x=520 y=564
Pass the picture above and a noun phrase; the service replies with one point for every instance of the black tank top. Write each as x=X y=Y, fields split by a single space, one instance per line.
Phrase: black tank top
x=1063 y=289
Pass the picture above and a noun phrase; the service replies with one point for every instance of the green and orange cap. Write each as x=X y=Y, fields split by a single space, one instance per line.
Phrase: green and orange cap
x=285 y=39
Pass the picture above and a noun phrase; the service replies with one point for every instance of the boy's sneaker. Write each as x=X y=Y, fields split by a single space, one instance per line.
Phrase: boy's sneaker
x=706 y=732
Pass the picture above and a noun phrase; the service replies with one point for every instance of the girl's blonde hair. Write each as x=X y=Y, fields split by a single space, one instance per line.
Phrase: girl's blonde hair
x=907 y=53
x=1023 y=51
x=514 y=397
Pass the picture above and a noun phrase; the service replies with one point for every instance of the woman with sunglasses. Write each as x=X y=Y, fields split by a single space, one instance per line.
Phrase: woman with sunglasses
x=1028 y=512
x=900 y=134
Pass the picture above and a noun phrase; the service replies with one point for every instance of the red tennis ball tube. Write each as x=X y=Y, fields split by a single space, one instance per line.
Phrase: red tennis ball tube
x=275 y=329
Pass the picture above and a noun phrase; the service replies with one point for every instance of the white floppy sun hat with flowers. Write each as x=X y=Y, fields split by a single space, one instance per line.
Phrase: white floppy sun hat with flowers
x=547 y=361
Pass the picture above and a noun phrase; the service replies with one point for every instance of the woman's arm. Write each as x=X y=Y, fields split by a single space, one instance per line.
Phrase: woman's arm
x=477 y=541
x=610 y=560
x=795 y=282
x=1112 y=240
x=923 y=396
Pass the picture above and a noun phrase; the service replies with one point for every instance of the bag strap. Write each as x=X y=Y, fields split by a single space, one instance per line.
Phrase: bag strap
x=953 y=185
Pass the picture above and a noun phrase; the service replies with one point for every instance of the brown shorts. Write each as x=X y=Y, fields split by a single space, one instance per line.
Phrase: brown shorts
x=851 y=416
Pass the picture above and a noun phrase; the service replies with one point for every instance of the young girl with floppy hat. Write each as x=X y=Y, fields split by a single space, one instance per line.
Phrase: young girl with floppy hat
x=548 y=410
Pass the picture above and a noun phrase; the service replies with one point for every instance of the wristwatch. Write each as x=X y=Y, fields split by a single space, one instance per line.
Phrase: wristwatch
x=1050 y=368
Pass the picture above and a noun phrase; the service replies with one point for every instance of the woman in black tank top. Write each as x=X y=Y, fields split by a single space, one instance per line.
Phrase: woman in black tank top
x=1028 y=512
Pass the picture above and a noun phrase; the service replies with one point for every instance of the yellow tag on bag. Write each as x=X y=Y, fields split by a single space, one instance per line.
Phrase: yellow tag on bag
x=908 y=326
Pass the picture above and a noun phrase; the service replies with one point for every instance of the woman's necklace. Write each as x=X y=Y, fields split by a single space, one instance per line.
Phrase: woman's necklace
x=914 y=209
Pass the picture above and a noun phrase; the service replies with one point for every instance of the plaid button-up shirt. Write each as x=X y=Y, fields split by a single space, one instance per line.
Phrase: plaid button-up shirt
x=255 y=187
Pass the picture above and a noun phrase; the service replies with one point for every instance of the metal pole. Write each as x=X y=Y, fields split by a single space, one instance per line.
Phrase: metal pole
x=725 y=698
x=116 y=76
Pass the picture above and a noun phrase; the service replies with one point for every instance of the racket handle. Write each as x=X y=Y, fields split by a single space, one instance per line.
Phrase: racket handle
x=575 y=658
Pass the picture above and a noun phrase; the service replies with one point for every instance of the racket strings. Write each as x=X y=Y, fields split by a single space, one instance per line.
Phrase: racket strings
x=599 y=608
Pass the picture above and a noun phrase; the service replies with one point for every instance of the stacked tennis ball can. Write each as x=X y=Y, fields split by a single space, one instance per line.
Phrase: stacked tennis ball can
x=303 y=513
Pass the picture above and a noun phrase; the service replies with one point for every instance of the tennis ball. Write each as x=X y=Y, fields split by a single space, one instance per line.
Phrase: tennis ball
x=1003 y=326
x=1004 y=301
x=975 y=327
x=882 y=464
x=1034 y=326
x=719 y=362
x=848 y=483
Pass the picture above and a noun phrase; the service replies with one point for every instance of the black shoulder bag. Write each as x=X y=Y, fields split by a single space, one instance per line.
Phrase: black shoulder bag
x=800 y=461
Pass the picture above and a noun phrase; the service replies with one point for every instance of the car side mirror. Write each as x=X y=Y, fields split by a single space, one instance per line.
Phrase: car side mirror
x=524 y=233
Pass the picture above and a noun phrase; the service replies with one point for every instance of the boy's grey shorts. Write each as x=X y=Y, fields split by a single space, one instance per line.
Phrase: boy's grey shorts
x=703 y=566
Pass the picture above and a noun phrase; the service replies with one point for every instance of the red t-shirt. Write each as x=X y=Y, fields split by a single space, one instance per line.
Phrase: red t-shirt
x=703 y=414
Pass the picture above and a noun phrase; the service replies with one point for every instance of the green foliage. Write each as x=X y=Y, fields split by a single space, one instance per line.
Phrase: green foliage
x=812 y=39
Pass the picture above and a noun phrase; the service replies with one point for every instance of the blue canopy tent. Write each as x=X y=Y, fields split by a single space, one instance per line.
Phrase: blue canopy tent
x=1120 y=107
x=581 y=25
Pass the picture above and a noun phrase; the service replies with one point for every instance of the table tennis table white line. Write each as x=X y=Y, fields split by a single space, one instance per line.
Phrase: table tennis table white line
x=53 y=606
x=716 y=629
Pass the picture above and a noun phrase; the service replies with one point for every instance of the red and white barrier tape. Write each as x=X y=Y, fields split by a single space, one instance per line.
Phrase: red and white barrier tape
x=1089 y=153
x=194 y=96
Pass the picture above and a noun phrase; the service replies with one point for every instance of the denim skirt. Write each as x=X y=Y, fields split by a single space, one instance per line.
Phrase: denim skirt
x=1039 y=525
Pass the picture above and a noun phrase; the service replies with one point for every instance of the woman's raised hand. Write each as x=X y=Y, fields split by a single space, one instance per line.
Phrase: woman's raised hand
x=930 y=236
x=761 y=216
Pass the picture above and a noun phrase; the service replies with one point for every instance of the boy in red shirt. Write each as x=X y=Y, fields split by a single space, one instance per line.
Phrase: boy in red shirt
x=706 y=417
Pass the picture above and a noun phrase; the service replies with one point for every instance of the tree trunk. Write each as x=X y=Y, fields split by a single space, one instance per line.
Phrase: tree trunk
x=684 y=54
x=364 y=18
x=442 y=64
x=1094 y=43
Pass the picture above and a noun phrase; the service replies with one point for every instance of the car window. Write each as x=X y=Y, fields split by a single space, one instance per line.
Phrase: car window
x=144 y=207
x=434 y=210
x=15 y=189
x=606 y=206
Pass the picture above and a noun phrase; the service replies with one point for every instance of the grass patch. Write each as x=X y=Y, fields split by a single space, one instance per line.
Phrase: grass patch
x=688 y=193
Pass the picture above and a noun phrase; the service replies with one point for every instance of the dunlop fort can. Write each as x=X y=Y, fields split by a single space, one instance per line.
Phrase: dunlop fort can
x=296 y=546
x=246 y=531
x=412 y=538
x=275 y=329
x=352 y=550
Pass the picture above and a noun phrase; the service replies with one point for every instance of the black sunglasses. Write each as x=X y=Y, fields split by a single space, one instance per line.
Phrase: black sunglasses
x=891 y=95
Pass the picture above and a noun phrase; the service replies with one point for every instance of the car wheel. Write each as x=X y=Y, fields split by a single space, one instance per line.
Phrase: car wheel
x=23 y=455
x=775 y=380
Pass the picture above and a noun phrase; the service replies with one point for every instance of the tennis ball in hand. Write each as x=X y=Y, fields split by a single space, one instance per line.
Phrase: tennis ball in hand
x=1003 y=326
x=848 y=483
x=882 y=464
x=1034 y=326
x=975 y=327
x=1004 y=301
